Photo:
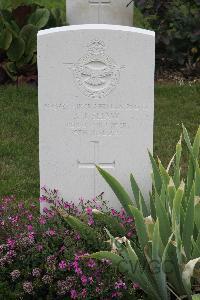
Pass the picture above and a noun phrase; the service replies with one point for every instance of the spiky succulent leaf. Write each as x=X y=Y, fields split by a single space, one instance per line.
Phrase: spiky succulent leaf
x=176 y=176
x=177 y=205
x=196 y=247
x=197 y=181
x=156 y=264
x=136 y=190
x=164 y=224
x=109 y=222
x=196 y=297
x=196 y=144
x=116 y=260
x=188 y=273
x=139 y=199
x=140 y=226
x=188 y=225
x=156 y=174
x=188 y=143
x=164 y=174
x=139 y=275
x=118 y=189
x=196 y=215
x=171 y=192
x=86 y=232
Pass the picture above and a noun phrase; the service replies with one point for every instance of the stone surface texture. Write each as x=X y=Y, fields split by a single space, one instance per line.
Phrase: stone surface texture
x=96 y=106
x=113 y=12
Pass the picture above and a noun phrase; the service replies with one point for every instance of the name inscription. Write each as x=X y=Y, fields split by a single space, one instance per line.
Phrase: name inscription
x=97 y=119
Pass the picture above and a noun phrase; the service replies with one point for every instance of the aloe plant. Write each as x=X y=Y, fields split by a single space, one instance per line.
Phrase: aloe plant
x=165 y=260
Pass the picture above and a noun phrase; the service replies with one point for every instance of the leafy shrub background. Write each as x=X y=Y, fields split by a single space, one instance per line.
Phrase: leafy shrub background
x=177 y=27
x=19 y=24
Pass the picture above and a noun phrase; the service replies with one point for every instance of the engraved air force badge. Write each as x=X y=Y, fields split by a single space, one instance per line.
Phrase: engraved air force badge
x=96 y=74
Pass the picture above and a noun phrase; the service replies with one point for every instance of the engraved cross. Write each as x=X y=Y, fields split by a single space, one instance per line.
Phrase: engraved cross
x=92 y=165
x=100 y=4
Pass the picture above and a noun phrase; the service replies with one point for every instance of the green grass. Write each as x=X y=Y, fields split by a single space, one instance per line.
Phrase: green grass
x=19 y=166
x=174 y=105
x=19 y=173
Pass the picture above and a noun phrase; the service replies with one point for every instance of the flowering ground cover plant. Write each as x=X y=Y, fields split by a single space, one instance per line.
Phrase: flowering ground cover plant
x=41 y=257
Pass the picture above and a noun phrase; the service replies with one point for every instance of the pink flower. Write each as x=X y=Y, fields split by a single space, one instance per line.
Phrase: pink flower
x=30 y=217
x=129 y=234
x=28 y=287
x=42 y=220
x=62 y=265
x=136 y=286
x=14 y=219
x=11 y=243
x=129 y=220
x=74 y=294
x=20 y=205
x=36 y=272
x=91 y=263
x=43 y=199
x=31 y=236
x=51 y=232
x=15 y=274
x=90 y=221
x=30 y=227
x=120 y=285
x=113 y=212
x=84 y=279
x=89 y=211
x=39 y=248
x=84 y=293
x=77 y=269
x=77 y=237
x=90 y=279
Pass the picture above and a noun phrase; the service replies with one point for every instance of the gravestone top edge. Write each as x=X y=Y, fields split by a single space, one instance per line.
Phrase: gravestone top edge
x=96 y=27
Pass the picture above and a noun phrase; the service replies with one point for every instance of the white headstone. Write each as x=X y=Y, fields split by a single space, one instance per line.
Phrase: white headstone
x=96 y=106
x=116 y=12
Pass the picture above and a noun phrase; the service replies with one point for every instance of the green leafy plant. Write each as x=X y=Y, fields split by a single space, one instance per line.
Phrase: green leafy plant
x=196 y=297
x=176 y=24
x=19 y=25
x=165 y=260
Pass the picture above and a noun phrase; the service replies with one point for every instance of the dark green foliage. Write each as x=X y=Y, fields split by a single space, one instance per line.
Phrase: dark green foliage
x=19 y=24
x=177 y=27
